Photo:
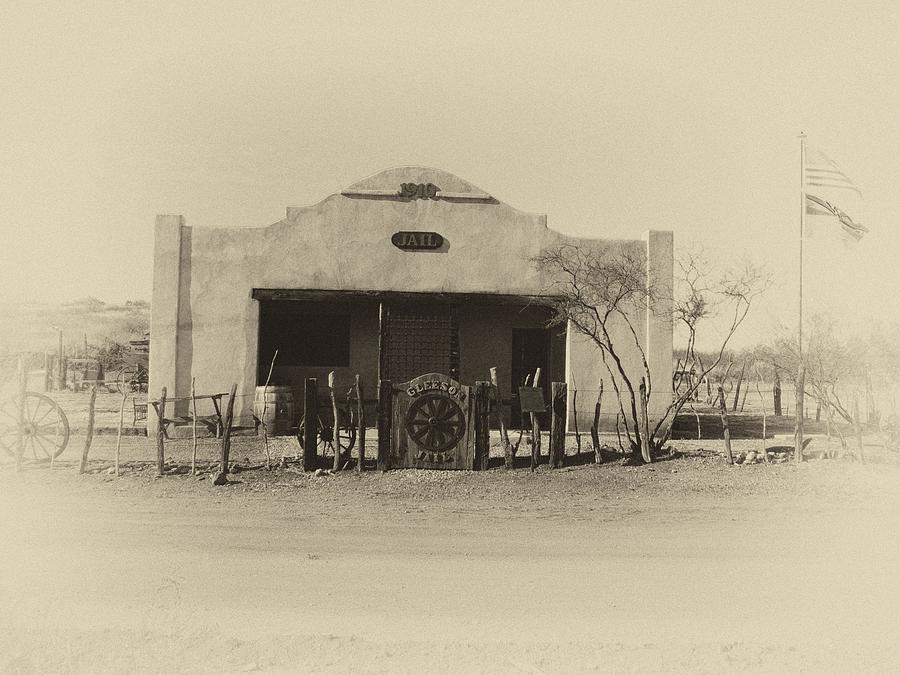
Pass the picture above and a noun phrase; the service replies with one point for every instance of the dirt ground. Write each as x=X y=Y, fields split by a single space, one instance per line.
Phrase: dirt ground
x=683 y=566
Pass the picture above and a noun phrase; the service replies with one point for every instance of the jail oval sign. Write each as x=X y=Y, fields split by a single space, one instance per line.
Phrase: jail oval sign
x=417 y=241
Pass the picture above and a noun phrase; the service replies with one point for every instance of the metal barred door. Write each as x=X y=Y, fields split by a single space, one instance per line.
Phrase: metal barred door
x=420 y=339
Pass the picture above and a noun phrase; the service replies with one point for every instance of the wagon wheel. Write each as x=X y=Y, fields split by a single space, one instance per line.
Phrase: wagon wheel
x=121 y=382
x=435 y=423
x=325 y=434
x=45 y=432
x=131 y=378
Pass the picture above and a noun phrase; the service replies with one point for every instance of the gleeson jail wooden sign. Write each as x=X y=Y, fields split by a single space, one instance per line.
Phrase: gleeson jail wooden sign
x=431 y=424
x=417 y=241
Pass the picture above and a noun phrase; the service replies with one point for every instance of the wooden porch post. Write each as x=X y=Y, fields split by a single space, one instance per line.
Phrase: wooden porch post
x=385 y=412
x=482 y=427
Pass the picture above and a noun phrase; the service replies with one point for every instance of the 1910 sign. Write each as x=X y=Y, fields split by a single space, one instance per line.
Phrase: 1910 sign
x=418 y=190
x=417 y=241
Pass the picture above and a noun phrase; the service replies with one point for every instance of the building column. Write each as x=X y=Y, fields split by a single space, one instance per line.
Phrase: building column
x=164 y=309
x=658 y=345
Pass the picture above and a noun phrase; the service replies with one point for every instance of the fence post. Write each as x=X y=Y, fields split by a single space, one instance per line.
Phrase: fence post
x=508 y=453
x=595 y=427
x=535 y=427
x=161 y=434
x=385 y=412
x=558 y=398
x=90 y=430
x=482 y=428
x=119 y=430
x=726 y=431
x=646 y=442
x=193 y=425
x=222 y=478
x=799 y=413
x=60 y=366
x=22 y=385
x=857 y=427
x=310 y=423
x=360 y=425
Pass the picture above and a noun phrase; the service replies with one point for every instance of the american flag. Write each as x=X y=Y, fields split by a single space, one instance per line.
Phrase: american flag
x=821 y=171
x=816 y=206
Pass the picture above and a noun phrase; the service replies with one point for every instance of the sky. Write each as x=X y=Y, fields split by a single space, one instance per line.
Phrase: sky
x=611 y=118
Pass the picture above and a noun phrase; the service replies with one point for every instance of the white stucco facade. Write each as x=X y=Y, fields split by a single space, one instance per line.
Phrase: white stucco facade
x=206 y=311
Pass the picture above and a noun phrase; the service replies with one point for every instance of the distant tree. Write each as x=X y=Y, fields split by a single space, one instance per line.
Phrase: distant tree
x=831 y=365
x=703 y=296
x=111 y=353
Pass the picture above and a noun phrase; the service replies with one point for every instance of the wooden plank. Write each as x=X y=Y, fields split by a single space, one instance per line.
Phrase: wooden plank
x=482 y=428
x=161 y=433
x=558 y=399
x=90 y=430
x=310 y=424
x=360 y=426
x=385 y=412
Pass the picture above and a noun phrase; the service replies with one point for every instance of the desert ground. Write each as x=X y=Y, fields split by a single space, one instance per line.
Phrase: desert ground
x=687 y=565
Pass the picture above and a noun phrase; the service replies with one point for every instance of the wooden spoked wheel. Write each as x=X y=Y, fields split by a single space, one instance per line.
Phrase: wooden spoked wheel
x=43 y=430
x=435 y=423
x=325 y=433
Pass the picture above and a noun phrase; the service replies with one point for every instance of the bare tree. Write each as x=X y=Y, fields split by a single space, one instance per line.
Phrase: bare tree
x=830 y=364
x=601 y=293
x=598 y=291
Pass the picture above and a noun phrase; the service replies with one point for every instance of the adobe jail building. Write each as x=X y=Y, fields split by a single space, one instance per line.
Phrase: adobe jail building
x=409 y=271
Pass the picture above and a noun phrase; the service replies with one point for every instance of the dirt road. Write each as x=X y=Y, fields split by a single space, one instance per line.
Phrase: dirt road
x=685 y=566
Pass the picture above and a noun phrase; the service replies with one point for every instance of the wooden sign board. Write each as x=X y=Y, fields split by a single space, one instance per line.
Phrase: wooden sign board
x=531 y=400
x=417 y=241
x=431 y=426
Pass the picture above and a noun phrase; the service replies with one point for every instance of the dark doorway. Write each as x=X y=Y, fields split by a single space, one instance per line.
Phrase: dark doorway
x=530 y=351
x=305 y=336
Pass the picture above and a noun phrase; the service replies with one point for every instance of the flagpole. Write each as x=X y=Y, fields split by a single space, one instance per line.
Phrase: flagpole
x=798 y=396
x=802 y=225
